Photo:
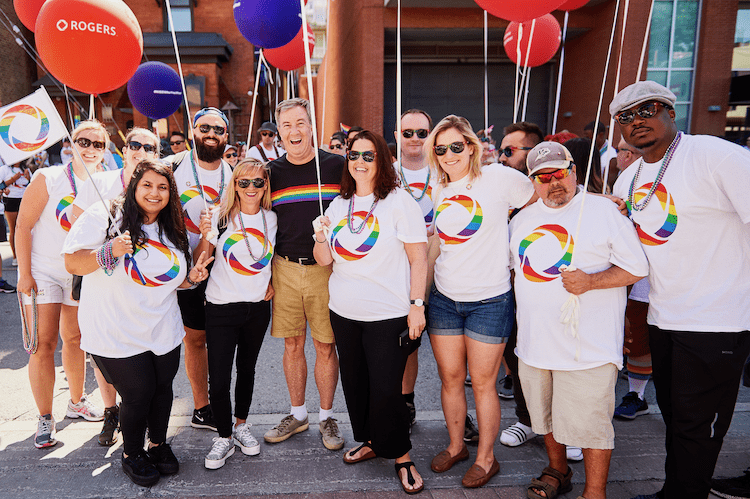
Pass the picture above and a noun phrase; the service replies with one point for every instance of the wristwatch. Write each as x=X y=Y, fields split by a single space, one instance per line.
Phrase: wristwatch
x=418 y=302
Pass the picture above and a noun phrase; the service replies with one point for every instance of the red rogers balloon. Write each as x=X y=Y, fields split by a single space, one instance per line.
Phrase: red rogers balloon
x=93 y=46
x=544 y=45
x=573 y=5
x=291 y=56
x=27 y=10
x=519 y=10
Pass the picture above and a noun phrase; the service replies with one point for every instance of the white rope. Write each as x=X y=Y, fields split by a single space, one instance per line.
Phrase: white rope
x=252 y=107
x=92 y=108
x=571 y=308
x=527 y=72
x=560 y=73
x=526 y=94
x=67 y=101
x=645 y=41
x=325 y=80
x=486 y=86
x=398 y=84
x=518 y=71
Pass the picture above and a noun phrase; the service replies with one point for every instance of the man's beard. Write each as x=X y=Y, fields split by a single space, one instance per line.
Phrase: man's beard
x=209 y=154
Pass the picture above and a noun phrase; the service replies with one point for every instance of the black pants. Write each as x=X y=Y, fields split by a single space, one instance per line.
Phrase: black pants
x=696 y=376
x=372 y=366
x=144 y=382
x=522 y=412
x=234 y=326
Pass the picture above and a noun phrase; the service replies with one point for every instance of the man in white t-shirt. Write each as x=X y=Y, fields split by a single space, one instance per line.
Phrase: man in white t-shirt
x=568 y=373
x=688 y=201
x=266 y=150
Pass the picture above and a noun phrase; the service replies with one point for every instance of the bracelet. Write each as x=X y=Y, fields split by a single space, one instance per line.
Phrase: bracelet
x=189 y=280
x=106 y=259
x=316 y=239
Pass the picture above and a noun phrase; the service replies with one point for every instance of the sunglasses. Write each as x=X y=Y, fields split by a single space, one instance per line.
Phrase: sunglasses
x=546 y=178
x=258 y=183
x=218 y=130
x=230 y=155
x=409 y=133
x=336 y=146
x=455 y=147
x=367 y=156
x=134 y=145
x=85 y=143
x=484 y=139
x=508 y=151
x=266 y=134
x=646 y=111
x=176 y=142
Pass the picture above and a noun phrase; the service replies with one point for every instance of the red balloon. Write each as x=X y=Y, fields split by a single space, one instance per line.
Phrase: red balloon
x=572 y=5
x=27 y=11
x=93 y=46
x=291 y=56
x=519 y=10
x=544 y=44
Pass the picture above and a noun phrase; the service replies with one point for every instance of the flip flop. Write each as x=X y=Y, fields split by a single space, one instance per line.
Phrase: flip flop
x=409 y=477
x=349 y=456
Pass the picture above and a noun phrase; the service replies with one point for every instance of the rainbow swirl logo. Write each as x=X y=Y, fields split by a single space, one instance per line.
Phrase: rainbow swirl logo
x=63 y=210
x=188 y=197
x=667 y=206
x=416 y=190
x=231 y=248
x=475 y=212
x=148 y=277
x=566 y=245
x=370 y=234
x=27 y=120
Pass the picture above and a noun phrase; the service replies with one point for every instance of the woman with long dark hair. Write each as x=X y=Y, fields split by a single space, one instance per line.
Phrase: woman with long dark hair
x=128 y=314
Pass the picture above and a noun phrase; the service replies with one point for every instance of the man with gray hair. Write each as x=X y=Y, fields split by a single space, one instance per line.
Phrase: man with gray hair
x=688 y=201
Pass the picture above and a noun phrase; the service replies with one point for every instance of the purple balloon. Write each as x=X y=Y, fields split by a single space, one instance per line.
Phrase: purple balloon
x=268 y=23
x=155 y=90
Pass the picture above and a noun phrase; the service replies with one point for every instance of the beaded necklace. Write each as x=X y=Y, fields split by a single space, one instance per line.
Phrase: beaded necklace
x=200 y=187
x=265 y=236
x=349 y=217
x=122 y=178
x=406 y=184
x=662 y=170
x=72 y=178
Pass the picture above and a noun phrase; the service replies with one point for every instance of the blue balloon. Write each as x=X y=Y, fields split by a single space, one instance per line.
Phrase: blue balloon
x=155 y=90
x=268 y=23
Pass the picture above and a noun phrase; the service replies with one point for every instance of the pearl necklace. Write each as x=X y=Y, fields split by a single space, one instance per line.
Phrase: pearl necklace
x=662 y=170
x=200 y=187
x=350 y=217
x=406 y=184
x=265 y=236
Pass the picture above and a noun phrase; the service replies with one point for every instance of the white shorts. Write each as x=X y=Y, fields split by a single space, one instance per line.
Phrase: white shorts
x=52 y=290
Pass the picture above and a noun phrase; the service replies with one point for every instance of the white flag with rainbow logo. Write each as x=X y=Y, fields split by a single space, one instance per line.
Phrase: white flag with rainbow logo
x=28 y=126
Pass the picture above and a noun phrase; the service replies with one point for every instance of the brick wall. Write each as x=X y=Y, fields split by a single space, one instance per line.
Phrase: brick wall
x=17 y=68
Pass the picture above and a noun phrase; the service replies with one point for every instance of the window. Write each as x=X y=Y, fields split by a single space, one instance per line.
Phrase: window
x=672 y=51
x=182 y=15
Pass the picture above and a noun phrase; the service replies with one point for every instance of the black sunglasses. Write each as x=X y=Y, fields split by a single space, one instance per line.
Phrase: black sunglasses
x=367 y=156
x=409 y=133
x=205 y=128
x=266 y=134
x=455 y=147
x=230 y=155
x=258 y=183
x=176 y=142
x=508 y=151
x=134 y=145
x=84 y=143
x=337 y=146
x=646 y=111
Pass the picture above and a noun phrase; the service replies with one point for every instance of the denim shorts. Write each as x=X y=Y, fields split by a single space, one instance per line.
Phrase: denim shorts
x=486 y=321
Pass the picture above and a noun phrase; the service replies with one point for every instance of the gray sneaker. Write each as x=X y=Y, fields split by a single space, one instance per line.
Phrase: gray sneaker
x=245 y=440
x=45 y=432
x=332 y=438
x=219 y=453
x=285 y=429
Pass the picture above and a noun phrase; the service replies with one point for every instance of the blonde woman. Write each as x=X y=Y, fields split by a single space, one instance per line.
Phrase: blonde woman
x=238 y=307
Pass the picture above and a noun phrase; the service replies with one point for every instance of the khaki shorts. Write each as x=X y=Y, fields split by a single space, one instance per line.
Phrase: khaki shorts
x=575 y=406
x=301 y=296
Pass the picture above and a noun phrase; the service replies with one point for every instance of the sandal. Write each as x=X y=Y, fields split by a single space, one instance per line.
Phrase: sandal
x=409 y=477
x=550 y=490
x=349 y=456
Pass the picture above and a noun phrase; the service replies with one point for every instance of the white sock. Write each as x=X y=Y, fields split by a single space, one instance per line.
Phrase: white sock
x=638 y=386
x=299 y=412
x=325 y=413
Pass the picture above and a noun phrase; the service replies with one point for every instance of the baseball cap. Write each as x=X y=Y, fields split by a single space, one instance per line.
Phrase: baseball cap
x=548 y=154
x=212 y=111
x=268 y=126
x=640 y=92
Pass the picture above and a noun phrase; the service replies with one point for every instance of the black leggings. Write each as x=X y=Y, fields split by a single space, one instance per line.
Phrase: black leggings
x=144 y=382
x=241 y=326
x=372 y=366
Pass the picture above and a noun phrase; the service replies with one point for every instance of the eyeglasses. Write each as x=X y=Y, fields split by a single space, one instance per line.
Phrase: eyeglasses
x=455 y=147
x=367 y=156
x=218 y=130
x=230 y=155
x=484 y=139
x=266 y=134
x=336 y=146
x=85 y=143
x=546 y=178
x=646 y=111
x=176 y=142
x=258 y=183
x=409 y=133
x=134 y=145
x=508 y=151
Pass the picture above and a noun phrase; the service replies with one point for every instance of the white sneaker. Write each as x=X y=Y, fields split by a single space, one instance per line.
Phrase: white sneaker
x=84 y=409
x=220 y=452
x=15 y=262
x=245 y=440
x=573 y=453
x=516 y=434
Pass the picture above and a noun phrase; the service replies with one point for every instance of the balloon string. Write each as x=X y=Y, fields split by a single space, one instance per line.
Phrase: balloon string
x=92 y=108
x=526 y=94
x=398 y=84
x=518 y=71
x=645 y=41
x=486 y=86
x=252 y=108
x=560 y=74
x=67 y=102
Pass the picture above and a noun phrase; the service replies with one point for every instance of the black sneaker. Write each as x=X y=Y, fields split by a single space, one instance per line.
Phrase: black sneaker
x=505 y=389
x=108 y=435
x=139 y=469
x=631 y=407
x=737 y=487
x=6 y=288
x=471 y=434
x=163 y=458
x=203 y=418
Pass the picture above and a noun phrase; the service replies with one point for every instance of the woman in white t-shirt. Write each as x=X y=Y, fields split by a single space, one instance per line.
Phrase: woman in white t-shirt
x=16 y=178
x=471 y=302
x=44 y=220
x=238 y=307
x=378 y=246
x=129 y=317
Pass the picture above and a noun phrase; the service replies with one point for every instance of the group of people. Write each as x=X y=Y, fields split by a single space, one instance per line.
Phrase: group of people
x=482 y=257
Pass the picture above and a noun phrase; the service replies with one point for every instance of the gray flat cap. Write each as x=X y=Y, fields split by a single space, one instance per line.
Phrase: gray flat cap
x=641 y=92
